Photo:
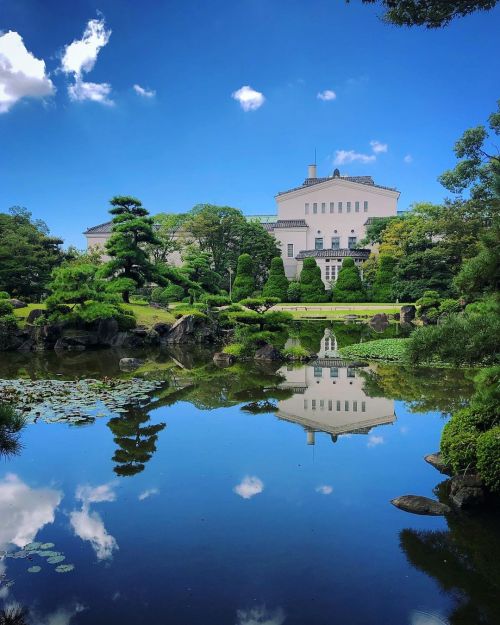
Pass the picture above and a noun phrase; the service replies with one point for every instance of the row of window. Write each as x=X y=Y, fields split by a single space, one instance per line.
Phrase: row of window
x=338 y=404
x=334 y=372
x=316 y=207
x=319 y=245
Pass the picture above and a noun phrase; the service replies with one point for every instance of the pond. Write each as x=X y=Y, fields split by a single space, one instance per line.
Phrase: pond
x=241 y=496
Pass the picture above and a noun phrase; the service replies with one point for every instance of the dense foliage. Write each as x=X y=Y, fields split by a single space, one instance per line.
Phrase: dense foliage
x=382 y=285
x=244 y=282
x=312 y=288
x=382 y=349
x=348 y=287
x=277 y=283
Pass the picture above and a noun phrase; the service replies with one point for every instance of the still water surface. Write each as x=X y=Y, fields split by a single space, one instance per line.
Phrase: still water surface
x=254 y=495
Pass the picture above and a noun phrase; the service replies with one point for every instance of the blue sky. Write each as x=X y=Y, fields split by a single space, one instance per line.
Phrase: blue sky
x=187 y=140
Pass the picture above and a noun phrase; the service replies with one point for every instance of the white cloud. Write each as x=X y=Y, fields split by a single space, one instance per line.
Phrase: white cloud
x=24 y=510
x=148 y=493
x=408 y=159
x=324 y=489
x=260 y=616
x=80 y=57
x=377 y=147
x=373 y=440
x=145 y=93
x=327 y=95
x=22 y=75
x=62 y=616
x=249 y=99
x=249 y=487
x=350 y=156
x=96 y=494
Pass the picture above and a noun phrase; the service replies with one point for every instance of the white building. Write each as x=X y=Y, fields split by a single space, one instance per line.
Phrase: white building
x=324 y=218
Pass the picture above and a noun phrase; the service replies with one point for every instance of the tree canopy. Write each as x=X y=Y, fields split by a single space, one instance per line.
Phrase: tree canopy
x=348 y=287
x=312 y=288
x=277 y=283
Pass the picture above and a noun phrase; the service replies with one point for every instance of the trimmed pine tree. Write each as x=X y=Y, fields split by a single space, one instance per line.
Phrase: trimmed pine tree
x=244 y=283
x=348 y=287
x=382 y=285
x=277 y=283
x=311 y=285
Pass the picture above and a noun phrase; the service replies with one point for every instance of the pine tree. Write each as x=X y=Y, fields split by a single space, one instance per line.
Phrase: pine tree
x=132 y=229
x=277 y=282
x=311 y=285
x=348 y=287
x=244 y=283
x=382 y=285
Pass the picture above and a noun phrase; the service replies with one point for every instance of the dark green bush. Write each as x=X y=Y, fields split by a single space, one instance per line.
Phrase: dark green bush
x=459 y=441
x=277 y=282
x=488 y=457
x=348 y=287
x=214 y=301
x=384 y=277
x=294 y=291
x=4 y=295
x=244 y=283
x=6 y=308
x=8 y=323
x=312 y=289
x=125 y=322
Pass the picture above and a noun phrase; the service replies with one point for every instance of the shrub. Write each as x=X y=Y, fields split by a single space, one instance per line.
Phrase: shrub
x=8 y=323
x=429 y=301
x=6 y=308
x=173 y=293
x=277 y=282
x=125 y=322
x=297 y=352
x=294 y=291
x=348 y=287
x=448 y=306
x=244 y=283
x=488 y=457
x=235 y=349
x=4 y=295
x=214 y=301
x=459 y=441
x=312 y=288
x=382 y=285
x=96 y=310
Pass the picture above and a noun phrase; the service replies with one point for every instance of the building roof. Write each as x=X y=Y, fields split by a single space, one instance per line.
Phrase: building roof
x=342 y=253
x=100 y=229
x=366 y=180
x=291 y=223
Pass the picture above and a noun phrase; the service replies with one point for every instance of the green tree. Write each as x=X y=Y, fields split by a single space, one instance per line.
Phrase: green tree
x=132 y=231
x=312 y=288
x=262 y=247
x=27 y=254
x=420 y=272
x=370 y=267
x=429 y=13
x=198 y=266
x=348 y=287
x=167 y=228
x=382 y=285
x=375 y=230
x=277 y=282
x=244 y=283
x=75 y=284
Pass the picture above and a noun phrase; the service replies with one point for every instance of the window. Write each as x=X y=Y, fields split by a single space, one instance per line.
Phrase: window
x=289 y=251
x=322 y=404
x=346 y=406
x=313 y=404
x=318 y=243
x=334 y=372
x=355 y=406
x=363 y=406
x=323 y=207
x=340 y=207
x=315 y=208
x=348 y=207
x=305 y=404
x=330 y=405
x=350 y=372
x=356 y=207
x=332 y=207
x=338 y=405
x=365 y=206
x=351 y=242
x=327 y=273
x=318 y=372
x=335 y=243
x=307 y=208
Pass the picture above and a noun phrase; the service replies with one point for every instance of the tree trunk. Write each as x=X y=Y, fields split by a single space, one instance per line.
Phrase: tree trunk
x=126 y=297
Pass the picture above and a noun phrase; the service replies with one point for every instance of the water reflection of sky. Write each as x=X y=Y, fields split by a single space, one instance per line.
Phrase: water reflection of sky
x=234 y=520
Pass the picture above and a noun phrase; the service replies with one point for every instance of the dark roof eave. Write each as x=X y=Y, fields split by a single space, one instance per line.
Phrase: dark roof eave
x=330 y=253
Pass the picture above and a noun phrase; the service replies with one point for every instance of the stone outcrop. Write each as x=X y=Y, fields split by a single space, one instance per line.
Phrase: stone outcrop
x=268 y=353
x=436 y=460
x=466 y=491
x=222 y=359
x=16 y=303
x=420 y=505
x=407 y=313
x=379 y=322
x=129 y=364
x=34 y=315
x=190 y=329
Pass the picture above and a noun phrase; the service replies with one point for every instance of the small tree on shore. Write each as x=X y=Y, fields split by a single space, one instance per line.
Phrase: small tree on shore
x=384 y=277
x=277 y=282
x=244 y=283
x=311 y=285
x=348 y=287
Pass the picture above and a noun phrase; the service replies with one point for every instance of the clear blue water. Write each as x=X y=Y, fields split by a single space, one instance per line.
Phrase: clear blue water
x=234 y=518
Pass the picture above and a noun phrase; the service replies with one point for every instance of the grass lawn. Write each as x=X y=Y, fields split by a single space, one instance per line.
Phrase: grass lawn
x=332 y=310
x=145 y=315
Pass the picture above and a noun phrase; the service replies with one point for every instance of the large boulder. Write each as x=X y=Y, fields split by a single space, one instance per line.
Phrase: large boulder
x=221 y=359
x=467 y=491
x=267 y=352
x=34 y=314
x=74 y=341
x=379 y=322
x=107 y=329
x=407 y=313
x=162 y=328
x=436 y=460
x=189 y=329
x=129 y=364
x=16 y=303
x=420 y=505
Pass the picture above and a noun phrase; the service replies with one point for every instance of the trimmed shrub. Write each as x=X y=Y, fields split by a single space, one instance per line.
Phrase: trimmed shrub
x=382 y=285
x=459 y=441
x=125 y=322
x=294 y=291
x=488 y=457
x=277 y=282
x=430 y=300
x=235 y=349
x=244 y=283
x=6 y=308
x=312 y=288
x=348 y=287
x=214 y=301
x=4 y=295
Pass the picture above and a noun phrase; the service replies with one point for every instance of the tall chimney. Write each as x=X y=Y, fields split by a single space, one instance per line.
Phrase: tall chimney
x=311 y=171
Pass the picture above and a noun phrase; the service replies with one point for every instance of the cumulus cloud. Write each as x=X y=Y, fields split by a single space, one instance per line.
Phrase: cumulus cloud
x=343 y=157
x=148 y=493
x=62 y=616
x=249 y=486
x=249 y=99
x=89 y=525
x=373 y=440
x=24 y=510
x=408 y=159
x=327 y=95
x=324 y=489
x=377 y=147
x=22 y=75
x=79 y=58
x=260 y=616
x=145 y=93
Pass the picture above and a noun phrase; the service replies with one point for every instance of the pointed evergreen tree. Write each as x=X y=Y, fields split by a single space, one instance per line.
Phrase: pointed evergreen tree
x=244 y=283
x=277 y=282
x=384 y=277
x=348 y=287
x=132 y=230
x=311 y=285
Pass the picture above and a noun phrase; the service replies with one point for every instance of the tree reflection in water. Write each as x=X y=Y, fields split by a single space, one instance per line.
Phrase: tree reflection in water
x=13 y=615
x=11 y=425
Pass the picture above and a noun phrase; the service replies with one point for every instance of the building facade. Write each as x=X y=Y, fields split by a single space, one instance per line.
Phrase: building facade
x=324 y=218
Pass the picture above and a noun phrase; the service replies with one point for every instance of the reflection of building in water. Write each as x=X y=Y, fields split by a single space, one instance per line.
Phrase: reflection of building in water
x=328 y=397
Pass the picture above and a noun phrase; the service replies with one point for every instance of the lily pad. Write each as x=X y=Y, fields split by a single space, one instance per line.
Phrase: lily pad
x=64 y=568
x=34 y=569
x=56 y=559
x=47 y=546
